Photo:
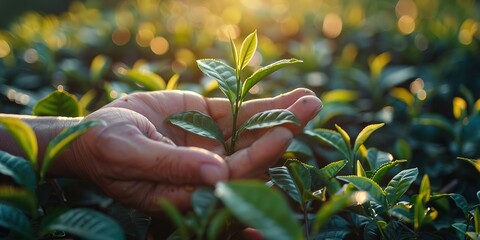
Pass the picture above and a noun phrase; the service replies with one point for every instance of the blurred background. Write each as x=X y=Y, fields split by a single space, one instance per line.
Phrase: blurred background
x=413 y=64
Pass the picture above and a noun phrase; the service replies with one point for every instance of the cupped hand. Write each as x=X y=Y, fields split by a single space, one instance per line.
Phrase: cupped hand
x=136 y=157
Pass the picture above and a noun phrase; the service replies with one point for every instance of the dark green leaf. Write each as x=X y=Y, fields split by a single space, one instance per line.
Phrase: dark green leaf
x=403 y=150
x=367 y=185
x=218 y=222
x=384 y=169
x=336 y=228
x=331 y=138
x=436 y=121
x=299 y=148
x=197 y=123
x=269 y=118
x=24 y=136
x=377 y=158
x=476 y=220
x=99 y=67
x=149 y=80
x=19 y=169
x=19 y=198
x=282 y=178
x=400 y=184
x=334 y=205
x=56 y=146
x=203 y=202
x=176 y=218
x=462 y=229
x=325 y=177
x=223 y=74
x=260 y=207
x=460 y=201
x=58 y=103
x=248 y=48
x=364 y=135
x=402 y=212
x=261 y=73
x=134 y=223
x=85 y=223
x=13 y=219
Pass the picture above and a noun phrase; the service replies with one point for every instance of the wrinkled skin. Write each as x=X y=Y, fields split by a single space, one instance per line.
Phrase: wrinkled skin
x=137 y=158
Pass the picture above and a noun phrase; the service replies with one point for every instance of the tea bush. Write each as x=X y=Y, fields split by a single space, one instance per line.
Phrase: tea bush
x=392 y=155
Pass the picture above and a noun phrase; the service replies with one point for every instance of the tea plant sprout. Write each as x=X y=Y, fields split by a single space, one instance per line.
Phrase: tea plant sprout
x=235 y=88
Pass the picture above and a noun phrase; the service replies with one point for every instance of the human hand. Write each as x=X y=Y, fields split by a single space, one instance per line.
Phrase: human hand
x=136 y=157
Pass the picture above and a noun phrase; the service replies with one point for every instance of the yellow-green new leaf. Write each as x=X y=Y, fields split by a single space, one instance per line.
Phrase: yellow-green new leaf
x=261 y=73
x=149 y=80
x=20 y=198
x=367 y=185
x=58 y=103
x=99 y=67
x=234 y=52
x=24 y=136
x=364 y=134
x=172 y=82
x=345 y=136
x=56 y=146
x=248 y=48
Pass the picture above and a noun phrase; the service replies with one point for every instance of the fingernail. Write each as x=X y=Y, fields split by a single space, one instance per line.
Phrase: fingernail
x=211 y=173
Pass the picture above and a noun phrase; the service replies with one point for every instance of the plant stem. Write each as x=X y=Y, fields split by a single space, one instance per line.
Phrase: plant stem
x=235 y=110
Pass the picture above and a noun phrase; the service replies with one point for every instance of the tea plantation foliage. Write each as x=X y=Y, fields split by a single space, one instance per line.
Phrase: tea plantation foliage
x=394 y=154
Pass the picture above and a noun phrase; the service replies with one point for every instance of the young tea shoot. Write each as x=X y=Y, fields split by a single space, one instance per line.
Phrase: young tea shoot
x=235 y=88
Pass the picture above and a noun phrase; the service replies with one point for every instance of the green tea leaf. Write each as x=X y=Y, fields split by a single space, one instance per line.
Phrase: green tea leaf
x=218 y=222
x=13 y=219
x=20 y=198
x=19 y=169
x=331 y=138
x=261 y=73
x=24 y=136
x=400 y=184
x=248 y=48
x=336 y=204
x=197 y=123
x=203 y=202
x=260 y=207
x=476 y=220
x=465 y=231
x=58 y=103
x=325 y=177
x=56 y=146
x=377 y=158
x=299 y=148
x=364 y=134
x=345 y=136
x=172 y=82
x=436 y=121
x=269 y=118
x=384 y=169
x=85 y=223
x=99 y=67
x=284 y=180
x=367 y=185
x=418 y=213
x=460 y=201
x=424 y=191
x=149 y=80
x=233 y=48
x=294 y=178
x=360 y=171
x=474 y=162
x=223 y=74
x=176 y=217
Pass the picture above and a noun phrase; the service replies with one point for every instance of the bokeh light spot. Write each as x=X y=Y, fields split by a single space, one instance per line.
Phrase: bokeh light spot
x=332 y=25
x=159 y=45
x=30 y=56
x=406 y=24
x=121 y=36
x=4 y=48
x=406 y=8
